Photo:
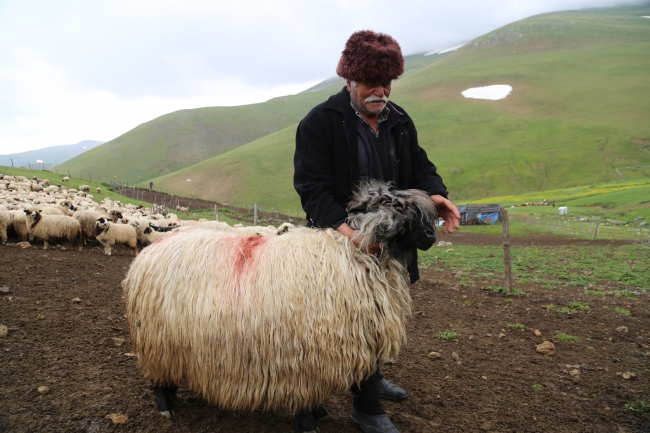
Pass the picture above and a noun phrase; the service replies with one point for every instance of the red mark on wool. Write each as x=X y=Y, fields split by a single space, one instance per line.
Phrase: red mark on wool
x=245 y=251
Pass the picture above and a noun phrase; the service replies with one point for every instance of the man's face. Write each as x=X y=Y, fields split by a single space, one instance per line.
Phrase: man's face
x=369 y=98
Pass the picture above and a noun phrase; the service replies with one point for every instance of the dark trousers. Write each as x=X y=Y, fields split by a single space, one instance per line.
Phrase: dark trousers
x=366 y=395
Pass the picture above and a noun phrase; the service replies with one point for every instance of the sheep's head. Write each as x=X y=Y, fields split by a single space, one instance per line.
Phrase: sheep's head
x=101 y=225
x=396 y=219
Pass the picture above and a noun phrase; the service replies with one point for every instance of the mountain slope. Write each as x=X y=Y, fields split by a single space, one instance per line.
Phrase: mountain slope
x=182 y=138
x=49 y=156
x=577 y=114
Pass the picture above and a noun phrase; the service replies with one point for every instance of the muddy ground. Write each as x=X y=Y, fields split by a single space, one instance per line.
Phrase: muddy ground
x=489 y=380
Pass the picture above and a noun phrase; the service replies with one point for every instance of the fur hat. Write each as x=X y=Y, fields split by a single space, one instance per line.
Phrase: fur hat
x=371 y=57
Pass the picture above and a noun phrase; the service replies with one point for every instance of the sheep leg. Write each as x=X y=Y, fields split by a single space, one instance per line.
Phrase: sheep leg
x=107 y=249
x=164 y=396
x=306 y=420
x=45 y=245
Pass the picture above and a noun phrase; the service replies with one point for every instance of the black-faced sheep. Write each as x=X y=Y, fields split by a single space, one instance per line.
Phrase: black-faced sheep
x=276 y=322
x=84 y=188
x=50 y=227
x=109 y=234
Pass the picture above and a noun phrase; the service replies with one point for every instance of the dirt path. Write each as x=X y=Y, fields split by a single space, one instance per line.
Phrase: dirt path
x=80 y=350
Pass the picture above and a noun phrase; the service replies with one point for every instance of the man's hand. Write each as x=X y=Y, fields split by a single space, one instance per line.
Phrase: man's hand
x=448 y=212
x=348 y=232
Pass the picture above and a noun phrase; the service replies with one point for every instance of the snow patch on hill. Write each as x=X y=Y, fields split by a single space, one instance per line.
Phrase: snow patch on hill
x=495 y=92
x=446 y=50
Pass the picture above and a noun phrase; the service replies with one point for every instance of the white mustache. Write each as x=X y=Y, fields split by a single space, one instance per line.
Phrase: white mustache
x=376 y=98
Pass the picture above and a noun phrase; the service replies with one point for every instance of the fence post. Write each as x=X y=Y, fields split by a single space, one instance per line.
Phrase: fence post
x=216 y=213
x=255 y=215
x=597 y=228
x=507 y=259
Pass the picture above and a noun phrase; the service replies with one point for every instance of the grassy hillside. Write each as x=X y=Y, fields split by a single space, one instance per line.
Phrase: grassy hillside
x=623 y=199
x=577 y=115
x=182 y=138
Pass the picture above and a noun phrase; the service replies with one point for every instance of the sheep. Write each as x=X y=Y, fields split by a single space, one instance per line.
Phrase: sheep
x=84 y=188
x=20 y=226
x=65 y=179
x=88 y=219
x=109 y=234
x=153 y=235
x=52 y=210
x=6 y=219
x=36 y=186
x=276 y=322
x=99 y=190
x=48 y=227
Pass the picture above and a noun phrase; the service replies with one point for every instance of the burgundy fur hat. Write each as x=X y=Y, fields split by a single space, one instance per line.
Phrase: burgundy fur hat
x=371 y=57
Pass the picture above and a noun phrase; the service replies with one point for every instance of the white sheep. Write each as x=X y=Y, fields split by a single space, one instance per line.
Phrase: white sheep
x=6 y=220
x=99 y=190
x=109 y=234
x=84 y=188
x=87 y=220
x=66 y=179
x=20 y=226
x=276 y=322
x=153 y=235
x=49 y=227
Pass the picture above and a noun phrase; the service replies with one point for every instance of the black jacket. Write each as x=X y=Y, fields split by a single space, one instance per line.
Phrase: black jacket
x=326 y=160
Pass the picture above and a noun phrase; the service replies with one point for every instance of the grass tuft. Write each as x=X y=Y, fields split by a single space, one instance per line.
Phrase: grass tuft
x=622 y=311
x=448 y=335
x=640 y=407
x=516 y=326
x=566 y=337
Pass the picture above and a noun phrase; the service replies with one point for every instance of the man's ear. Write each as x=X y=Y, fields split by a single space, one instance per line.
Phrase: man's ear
x=349 y=85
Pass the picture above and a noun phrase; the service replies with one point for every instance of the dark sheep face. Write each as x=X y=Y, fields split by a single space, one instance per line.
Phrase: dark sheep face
x=390 y=216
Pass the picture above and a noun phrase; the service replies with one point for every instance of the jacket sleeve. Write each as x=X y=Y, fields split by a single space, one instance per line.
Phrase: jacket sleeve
x=313 y=176
x=425 y=174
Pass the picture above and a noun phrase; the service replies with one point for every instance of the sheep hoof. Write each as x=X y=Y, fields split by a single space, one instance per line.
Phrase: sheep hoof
x=319 y=413
x=306 y=422
x=164 y=397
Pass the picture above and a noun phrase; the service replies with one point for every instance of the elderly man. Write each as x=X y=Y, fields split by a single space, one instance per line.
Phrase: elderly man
x=359 y=134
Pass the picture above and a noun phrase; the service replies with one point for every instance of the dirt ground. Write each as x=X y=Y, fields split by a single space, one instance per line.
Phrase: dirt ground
x=491 y=379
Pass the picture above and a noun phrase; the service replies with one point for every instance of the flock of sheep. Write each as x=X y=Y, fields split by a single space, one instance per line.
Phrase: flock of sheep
x=249 y=317
x=32 y=209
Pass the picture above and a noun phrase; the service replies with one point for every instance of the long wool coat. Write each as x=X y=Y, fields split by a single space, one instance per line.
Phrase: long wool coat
x=326 y=161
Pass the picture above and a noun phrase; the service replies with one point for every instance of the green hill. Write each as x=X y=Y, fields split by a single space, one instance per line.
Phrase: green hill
x=577 y=114
x=182 y=138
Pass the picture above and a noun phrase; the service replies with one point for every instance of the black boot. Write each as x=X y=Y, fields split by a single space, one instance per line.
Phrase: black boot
x=164 y=396
x=390 y=391
x=373 y=423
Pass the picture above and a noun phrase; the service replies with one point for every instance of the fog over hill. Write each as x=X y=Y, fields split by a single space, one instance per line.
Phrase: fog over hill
x=48 y=157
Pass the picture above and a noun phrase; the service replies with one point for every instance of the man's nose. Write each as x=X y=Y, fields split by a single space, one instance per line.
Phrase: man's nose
x=378 y=91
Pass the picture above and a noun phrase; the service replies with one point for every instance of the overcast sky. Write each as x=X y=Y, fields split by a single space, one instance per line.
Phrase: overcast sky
x=76 y=70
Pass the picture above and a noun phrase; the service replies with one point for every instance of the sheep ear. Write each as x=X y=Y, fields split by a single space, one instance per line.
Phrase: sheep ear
x=26 y=211
x=363 y=207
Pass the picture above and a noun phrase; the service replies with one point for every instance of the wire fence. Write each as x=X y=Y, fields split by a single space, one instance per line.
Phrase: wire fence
x=637 y=231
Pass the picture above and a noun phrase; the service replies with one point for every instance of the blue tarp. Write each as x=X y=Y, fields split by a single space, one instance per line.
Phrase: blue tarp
x=488 y=218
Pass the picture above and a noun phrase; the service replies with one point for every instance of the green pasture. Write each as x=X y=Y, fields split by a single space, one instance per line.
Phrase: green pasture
x=592 y=267
x=576 y=116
